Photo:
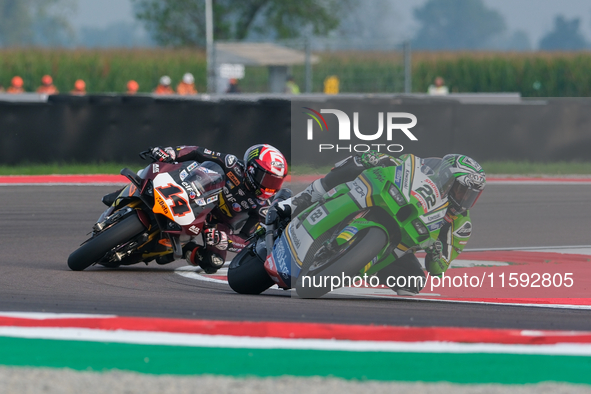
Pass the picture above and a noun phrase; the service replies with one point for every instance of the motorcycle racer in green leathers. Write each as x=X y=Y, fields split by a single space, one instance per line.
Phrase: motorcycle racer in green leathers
x=468 y=179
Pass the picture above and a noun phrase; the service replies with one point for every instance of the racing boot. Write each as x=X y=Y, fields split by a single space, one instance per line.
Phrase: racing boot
x=405 y=275
x=199 y=256
x=309 y=196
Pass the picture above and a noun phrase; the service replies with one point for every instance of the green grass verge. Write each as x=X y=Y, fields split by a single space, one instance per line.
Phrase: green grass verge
x=385 y=366
x=491 y=168
x=61 y=168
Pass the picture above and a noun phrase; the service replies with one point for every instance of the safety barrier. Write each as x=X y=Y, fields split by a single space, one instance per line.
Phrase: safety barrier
x=117 y=127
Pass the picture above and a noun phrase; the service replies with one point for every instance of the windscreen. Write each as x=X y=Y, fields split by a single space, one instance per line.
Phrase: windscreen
x=438 y=171
x=206 y=177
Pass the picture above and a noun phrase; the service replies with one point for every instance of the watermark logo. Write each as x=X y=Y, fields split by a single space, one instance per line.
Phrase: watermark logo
x=393 y=123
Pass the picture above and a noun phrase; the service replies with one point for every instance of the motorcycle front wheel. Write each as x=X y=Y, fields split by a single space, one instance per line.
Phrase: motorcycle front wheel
x=94 y=250
x=247 y=274
x=348 y=262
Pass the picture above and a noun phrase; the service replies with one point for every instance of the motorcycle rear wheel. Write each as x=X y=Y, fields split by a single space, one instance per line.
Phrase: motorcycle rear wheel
x=93 y=250
x=247 y=274
x=349 y=263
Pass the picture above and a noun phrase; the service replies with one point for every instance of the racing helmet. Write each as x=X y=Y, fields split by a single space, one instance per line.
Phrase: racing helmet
x=468 y=184
x=265 y=170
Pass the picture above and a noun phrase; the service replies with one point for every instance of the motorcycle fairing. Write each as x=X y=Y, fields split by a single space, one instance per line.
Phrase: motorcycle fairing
x=279 y=263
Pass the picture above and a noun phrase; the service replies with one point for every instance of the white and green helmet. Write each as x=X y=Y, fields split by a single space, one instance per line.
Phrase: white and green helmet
x=469 y=182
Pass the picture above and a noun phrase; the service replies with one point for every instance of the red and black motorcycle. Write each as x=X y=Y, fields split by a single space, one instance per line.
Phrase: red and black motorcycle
x=160 y=210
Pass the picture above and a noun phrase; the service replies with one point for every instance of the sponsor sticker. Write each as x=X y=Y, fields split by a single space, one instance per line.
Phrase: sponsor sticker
x=192 y=166
x=231 y=161
x=332 y=192
x=228 y=195
x=282 y=258
x=464 y=231
x=208 y=171
x=233 y=178
x=435 y=226
x=236 y=207
x=207 y=151
x=398 y=177
x=195 y=230
x=244 y=204
x=270 y=264
x=436 y=216
x=358 y=191
x=183 y=175
x=155 y=168
x=348 y=233
x=212 y=199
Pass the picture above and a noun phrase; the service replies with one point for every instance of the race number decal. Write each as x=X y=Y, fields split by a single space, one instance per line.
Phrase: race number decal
x=426 y=196
x=180 y=206
x=317 y=215
x=172 y=200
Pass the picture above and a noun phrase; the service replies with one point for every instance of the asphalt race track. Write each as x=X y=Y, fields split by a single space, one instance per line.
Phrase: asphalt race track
x=41 y=225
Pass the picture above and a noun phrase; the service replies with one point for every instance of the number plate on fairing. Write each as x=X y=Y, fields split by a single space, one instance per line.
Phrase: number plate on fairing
x=172 y=200
x=426 y=191
x=317 y=215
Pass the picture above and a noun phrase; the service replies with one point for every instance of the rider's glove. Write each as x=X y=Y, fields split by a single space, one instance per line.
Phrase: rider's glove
x=373 y=158
x=164 y=155
x=279 y=210
x=216 y=238
x=433 y=247
x=434 y=261
x=284 y=209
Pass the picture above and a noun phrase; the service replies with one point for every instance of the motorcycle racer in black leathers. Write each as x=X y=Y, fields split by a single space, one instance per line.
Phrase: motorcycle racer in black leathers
x=244 y=199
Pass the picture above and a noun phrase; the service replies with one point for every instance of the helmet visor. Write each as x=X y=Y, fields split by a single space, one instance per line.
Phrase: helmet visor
x=267 y=180
x=464 y=196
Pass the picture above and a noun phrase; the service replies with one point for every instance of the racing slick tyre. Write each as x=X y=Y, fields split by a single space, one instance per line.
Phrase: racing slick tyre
x=362 y=248
x=93 y=250
x=247 y=274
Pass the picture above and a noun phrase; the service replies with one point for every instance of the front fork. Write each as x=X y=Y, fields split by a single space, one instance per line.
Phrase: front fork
x=110 y=216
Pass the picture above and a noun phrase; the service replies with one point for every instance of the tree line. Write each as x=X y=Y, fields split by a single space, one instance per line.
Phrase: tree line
x=442 y=24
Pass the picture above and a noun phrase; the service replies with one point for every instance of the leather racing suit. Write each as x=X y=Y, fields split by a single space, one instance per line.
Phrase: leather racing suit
x=453 y=235
x=238 y=213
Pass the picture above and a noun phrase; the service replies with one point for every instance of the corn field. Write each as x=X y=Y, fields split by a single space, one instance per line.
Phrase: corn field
x=533 y=74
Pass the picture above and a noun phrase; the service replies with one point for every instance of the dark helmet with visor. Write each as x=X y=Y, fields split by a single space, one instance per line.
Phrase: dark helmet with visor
x=266 y=169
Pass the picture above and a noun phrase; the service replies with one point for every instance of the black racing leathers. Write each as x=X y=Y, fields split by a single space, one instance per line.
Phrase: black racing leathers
x=239 y=211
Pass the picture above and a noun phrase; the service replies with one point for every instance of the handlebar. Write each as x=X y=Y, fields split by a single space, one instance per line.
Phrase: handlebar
x=147 y=154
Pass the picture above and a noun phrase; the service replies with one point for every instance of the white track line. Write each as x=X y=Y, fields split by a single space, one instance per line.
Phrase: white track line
x=227 y=341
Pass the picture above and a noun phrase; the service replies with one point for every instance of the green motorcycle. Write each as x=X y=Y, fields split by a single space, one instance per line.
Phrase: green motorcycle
x=356 y=229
